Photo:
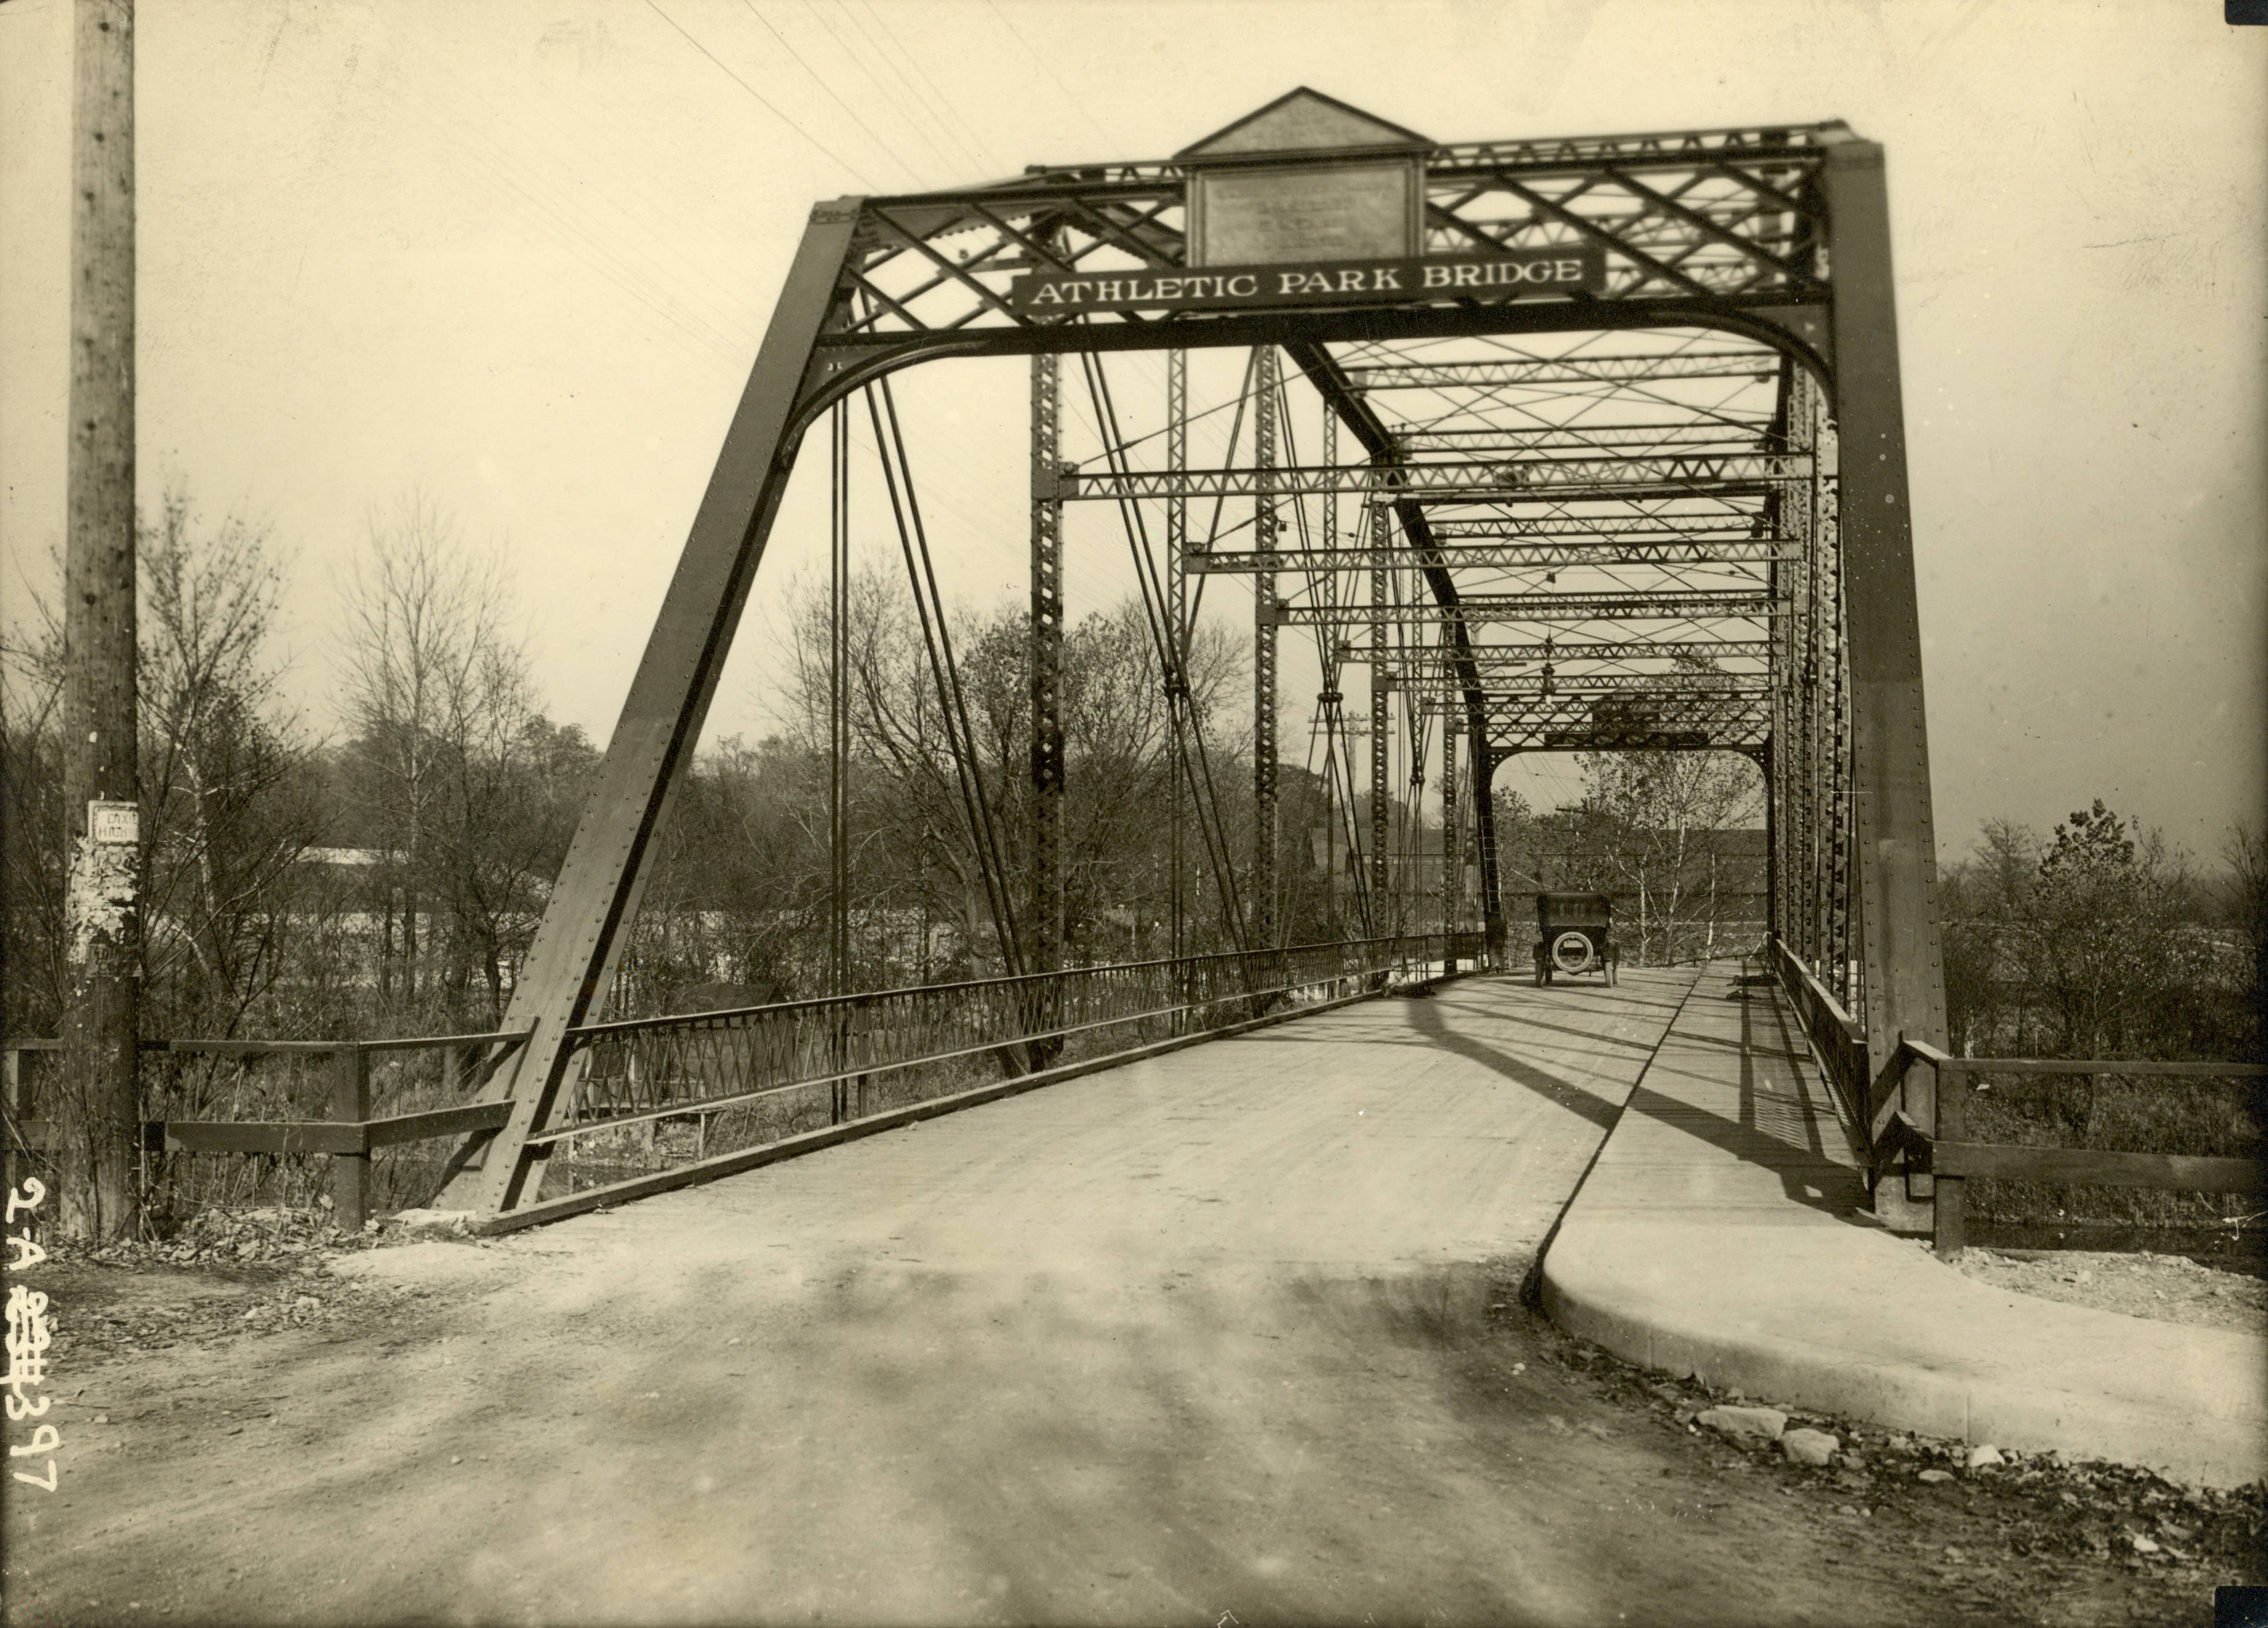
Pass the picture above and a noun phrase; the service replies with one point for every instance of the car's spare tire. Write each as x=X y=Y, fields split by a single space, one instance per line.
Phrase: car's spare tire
x=1571 y=951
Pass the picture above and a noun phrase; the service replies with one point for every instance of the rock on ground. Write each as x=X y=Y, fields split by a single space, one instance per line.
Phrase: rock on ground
x=1765 y=1423
x=1809 y=1446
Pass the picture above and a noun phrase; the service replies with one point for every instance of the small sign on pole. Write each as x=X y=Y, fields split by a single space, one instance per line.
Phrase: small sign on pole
x=114 y=823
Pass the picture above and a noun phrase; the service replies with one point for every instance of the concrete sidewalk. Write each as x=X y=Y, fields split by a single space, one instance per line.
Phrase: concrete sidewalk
x=1723 y=1234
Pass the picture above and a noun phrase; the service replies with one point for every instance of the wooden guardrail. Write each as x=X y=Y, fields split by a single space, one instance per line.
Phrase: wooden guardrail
x=1931 y=1137
x=347 y=1137
x=1953 y=1158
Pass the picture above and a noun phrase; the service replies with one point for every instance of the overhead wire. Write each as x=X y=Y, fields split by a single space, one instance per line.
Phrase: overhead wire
x=977 y=144
x=820 y=80
x=943 y=128
x=1074 y=103
x=761 y=99
x=625 y=260
x=857 y=60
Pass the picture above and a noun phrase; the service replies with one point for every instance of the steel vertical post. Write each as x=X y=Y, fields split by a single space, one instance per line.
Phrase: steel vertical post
x=1380 y=819
x=1484 y=841
x=838 y=749
x=1773 y=825
x=1046 y=654
x=1263 y=652
x=1903 y=969
x=1452 y=838
x=838 y=810
x=1176 y=680
x=1329 y=713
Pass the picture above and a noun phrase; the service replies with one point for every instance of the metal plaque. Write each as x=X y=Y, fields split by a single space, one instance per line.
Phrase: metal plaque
x=1514 y=274
x=1266 y=216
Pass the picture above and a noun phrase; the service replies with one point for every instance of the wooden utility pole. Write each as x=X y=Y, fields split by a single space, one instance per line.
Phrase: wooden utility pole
x=97 y=1117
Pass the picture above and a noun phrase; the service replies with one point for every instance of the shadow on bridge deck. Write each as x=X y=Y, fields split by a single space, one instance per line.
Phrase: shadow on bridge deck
x=1722 y=1231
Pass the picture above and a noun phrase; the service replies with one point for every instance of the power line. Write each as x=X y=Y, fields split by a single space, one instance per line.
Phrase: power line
x=1061 y=90
x=857 y=59
x=969 y=155
x=975 y=145
x=829 y=89
x=653 y=6
x=610 y=255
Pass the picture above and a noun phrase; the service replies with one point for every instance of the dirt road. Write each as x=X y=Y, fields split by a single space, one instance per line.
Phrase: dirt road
x=1231 y=1336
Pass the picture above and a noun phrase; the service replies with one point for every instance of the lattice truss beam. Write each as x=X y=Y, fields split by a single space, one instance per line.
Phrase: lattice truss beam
x=1721 y=215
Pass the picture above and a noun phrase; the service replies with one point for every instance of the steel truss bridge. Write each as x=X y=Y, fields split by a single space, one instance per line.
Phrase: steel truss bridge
x=1662 y=505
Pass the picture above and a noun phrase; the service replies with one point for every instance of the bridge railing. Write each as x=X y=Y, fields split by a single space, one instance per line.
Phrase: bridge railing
x=260 y=1098
x=1840 y=1042
x=665 y=1100
x=662 y=1100
x=2017 y=1119
x=2030 y=1120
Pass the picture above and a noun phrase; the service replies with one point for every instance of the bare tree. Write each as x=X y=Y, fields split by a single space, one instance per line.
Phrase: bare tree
x=231 y=809
x=1667 y=812
x=916 y=844
x=438 y=695
x=2246 y=850
x=31 y=842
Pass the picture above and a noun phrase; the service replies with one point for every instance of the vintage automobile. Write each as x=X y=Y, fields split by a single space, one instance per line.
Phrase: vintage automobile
x=1575 y=933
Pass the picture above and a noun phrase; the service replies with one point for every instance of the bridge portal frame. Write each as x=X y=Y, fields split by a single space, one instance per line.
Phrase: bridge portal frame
x=1820 y=294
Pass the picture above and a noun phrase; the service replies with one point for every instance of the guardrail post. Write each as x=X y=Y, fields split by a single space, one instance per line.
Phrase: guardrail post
x=350 y=1102
x=1951 y=1195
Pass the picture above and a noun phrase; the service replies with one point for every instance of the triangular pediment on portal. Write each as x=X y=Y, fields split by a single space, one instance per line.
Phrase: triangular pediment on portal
x=1302 y=122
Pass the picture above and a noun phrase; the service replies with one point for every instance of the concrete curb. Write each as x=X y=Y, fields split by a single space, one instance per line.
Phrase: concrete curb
x=1685 y=1251
x=1910 y=1343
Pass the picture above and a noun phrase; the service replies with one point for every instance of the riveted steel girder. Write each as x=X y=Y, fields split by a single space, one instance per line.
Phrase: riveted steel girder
x=1647 y=525
x=1499 y=653
x=1578 y=370
x=1480 y=608
x=1503 y=556
x=1672 y=473
x=1899 y=948
x=1713 y=435
x=1265 y=619
x=1044 y=653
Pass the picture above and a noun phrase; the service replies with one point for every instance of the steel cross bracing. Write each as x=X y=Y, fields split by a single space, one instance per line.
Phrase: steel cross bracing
x=1683 y=489
x=1635 y=604
x=1503 y=653
x=1699 y=475
x=1516 y=554
x=1507 y=557
x=1494 y=373
x=1711 y=436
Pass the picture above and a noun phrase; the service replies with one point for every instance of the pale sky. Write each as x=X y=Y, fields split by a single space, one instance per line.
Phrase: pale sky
x=518 y=256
